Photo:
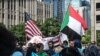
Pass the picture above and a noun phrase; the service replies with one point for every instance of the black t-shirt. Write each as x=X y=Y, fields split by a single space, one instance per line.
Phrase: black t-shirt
x=70 y=52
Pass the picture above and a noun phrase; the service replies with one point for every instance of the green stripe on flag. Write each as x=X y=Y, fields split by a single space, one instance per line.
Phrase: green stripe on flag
x=65 y=21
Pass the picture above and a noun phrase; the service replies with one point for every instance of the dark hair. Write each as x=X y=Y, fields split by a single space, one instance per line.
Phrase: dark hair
x=78 y=44
x=39 y=45
x=65 y=42
x=30 y=45
x=50 y=42
x=7 y=42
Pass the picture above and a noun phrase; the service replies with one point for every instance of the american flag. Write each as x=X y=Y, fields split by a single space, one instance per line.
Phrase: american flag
x=57 y=40
x=31 y=29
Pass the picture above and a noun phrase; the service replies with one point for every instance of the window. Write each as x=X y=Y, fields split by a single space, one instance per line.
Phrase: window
x=3 y=4
x=8 y=16
x=2 y=15
x=15 y=4
x=24 y=3
x=97 y=18
x=8 y=4
x=97 y=6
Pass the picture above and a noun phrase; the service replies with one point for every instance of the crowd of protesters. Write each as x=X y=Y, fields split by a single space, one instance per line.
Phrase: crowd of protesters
x=10 y=47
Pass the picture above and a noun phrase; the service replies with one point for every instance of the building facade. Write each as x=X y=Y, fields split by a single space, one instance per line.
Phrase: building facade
x=95 y=19
x=84 y=11
x=57 y=8
x=59 y=11
x=12 y=11
x=76 y=4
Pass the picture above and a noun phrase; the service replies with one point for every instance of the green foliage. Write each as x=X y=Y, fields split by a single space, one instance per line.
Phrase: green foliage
x=1 y=24
x=18 y=31
x=87 y=37
x=98 y=37
x=50 y=27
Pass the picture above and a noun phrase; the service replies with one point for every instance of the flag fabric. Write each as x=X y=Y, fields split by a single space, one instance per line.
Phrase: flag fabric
x=31 y=29
x=56 y=40
x=73 y=24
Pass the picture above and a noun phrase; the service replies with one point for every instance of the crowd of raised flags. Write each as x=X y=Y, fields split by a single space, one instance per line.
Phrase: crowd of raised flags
x=73 y=26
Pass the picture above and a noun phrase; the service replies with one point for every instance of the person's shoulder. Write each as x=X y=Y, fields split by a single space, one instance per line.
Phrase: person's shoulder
x=44 y=53
x=17 y=53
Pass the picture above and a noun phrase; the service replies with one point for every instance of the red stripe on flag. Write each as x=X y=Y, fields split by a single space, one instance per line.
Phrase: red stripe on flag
x=29 y=36
x=36 y=28
x=29 y=29
x=76 y=16
x=32 y=27
x=57 y=41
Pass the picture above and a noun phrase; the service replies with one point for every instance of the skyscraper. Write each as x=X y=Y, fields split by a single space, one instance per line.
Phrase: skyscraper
x=59 y=11
x=74 y=3
x=86 y=12
x=57 y=8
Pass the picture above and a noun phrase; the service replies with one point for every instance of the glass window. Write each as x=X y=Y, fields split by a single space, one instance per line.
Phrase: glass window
x=98 y=6
x=3 y=4
x=97 y=18
x=24 y=3
x=2 y=15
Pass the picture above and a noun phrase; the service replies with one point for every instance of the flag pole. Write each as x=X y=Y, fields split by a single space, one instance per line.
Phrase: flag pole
x=65 y=14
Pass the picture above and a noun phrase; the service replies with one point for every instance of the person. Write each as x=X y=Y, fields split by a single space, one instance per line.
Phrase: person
x=7 y=41
x=39 y=50
x=31 y=51
x=18 y=51
x=92 y=50
x=78 y=45
x=71 y=50
x=50 y=52
x=57 y=50
x=65 y=46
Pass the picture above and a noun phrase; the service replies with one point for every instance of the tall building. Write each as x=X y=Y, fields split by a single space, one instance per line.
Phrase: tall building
x=76 y=4
x=59 y=11
x=84 y=11
x=12 y=11
x=95 y=19
x=57 y=8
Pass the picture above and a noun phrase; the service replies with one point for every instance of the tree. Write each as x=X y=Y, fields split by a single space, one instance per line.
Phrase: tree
x=50 y=27
x=98 y=37
x=87 y=37
x=19 y=32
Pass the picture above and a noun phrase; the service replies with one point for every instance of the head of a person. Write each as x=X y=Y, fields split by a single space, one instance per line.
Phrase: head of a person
x=65 y=44
x=39 y=47
x=30 y=45
x=7 y=42
x=77 y=44
x=34 y=45
x=50 y=44
x=71 y=43
x=57 y=49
